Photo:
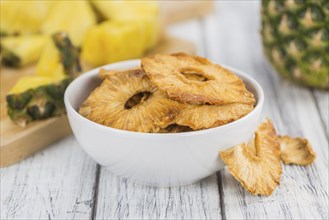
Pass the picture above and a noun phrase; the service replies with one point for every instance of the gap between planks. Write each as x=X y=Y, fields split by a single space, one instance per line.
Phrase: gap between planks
x=95 y=192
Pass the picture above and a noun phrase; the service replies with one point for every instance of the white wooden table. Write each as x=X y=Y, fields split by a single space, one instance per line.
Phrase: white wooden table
x=62 y=182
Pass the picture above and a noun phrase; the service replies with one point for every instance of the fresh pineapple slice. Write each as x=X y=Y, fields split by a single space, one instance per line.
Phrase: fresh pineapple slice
x=117 y=8
x=23 y=16
x=113 y=41
x=27 y=82
x=73 y=17
x=147 y=13
x=41 y=96
x=35 y=98
x=59 y=56
x=150 y=25
x=19 y=51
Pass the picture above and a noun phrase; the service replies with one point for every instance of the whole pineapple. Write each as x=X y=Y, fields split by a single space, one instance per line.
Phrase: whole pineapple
x=295 y=36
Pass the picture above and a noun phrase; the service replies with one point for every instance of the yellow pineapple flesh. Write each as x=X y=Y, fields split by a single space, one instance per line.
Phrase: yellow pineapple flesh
x=143 y=13
x=23 y=17
x=72 y=17
x=28 y=82
x=21 y=50
x=113 y=41
x=49 y=64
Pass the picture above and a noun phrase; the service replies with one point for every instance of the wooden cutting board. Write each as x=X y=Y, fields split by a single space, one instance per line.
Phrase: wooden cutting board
x=18 y=143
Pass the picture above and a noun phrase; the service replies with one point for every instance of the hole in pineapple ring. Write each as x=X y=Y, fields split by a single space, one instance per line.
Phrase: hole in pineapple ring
x=137 y=99
x=194 y=74
x=175 y=128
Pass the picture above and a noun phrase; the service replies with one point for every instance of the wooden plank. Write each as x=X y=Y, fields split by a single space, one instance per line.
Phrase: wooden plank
x=18 y=143
x=303 y=192
x=322 y=101
x=57 y=183
x=120 y=199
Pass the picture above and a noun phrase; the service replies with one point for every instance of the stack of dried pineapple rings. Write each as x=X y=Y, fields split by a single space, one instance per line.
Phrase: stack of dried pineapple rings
x=127 y=100
x=257 y=165
x=169 y=93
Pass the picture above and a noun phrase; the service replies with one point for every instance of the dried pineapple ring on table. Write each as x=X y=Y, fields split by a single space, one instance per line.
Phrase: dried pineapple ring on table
x=192 y=79
x=296 y=151
x=128 y=101
x=256 y=166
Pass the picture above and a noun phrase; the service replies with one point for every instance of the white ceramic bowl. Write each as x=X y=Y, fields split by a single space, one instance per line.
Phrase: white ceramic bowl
x=157 y=159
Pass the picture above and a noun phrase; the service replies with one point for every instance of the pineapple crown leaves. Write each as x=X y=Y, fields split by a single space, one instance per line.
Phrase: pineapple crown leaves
x=68 y=53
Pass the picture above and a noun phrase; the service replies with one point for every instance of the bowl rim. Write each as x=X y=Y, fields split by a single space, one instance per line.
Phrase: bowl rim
x=130 y=63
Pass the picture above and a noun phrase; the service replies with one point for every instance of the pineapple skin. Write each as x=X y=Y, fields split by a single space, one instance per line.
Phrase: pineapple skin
x=295 y=36
x=40 y=96
x=18 y=51
x=37 y=103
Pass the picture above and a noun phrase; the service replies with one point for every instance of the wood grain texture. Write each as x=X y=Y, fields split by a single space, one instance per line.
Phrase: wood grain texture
x=303 y=191
x=18 y=143
x=322 y=101
x=57 y=183
x=120 y=199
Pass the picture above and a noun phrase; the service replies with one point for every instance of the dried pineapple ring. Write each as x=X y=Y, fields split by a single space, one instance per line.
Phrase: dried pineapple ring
x=104 y=74
x=256 y=166
x=128 y=101
x=192 y=79
x=207 y=116
x=296 y=151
